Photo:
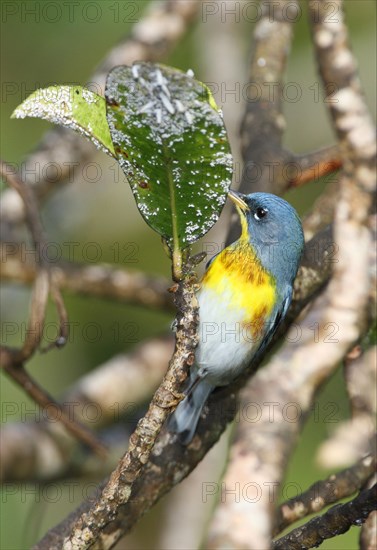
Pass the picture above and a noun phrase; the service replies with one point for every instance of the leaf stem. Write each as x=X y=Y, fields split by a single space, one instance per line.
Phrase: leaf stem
x=177 y=263
x=177 y=251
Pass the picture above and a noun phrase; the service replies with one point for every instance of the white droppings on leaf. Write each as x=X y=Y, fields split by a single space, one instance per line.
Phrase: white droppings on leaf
x=89 y=96
x=158 y=113
x=147 y=108
x=135 y=71
x=189 y=117
x=180 y=107
x=177 y=122
x=159 y=78
x=167 y=104
x=65 y=105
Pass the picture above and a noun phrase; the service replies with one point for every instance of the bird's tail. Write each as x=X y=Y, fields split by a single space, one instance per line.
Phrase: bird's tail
x=186 y=416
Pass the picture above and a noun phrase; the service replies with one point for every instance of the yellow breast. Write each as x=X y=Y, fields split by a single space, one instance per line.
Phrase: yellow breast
x=238 y=274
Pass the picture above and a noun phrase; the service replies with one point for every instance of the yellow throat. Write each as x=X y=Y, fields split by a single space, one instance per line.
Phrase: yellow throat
x=237 y=273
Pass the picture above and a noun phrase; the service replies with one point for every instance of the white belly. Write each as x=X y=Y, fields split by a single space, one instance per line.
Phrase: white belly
x=225 y=346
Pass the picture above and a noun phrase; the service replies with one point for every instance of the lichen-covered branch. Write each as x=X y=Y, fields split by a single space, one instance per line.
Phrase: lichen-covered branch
x=336 y=521
x=368 y=533
x=98 y=523
x=323 y=493
x=169 y=462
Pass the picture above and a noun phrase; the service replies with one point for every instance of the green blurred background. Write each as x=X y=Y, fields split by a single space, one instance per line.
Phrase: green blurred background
x=63 y=45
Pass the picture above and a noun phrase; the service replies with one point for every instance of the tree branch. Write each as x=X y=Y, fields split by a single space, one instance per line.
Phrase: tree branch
x=170 y=462
x=360 y=375
x=336 y=521
x=321 y=214
x=101 y=281
x=368 y=533
x=12 y=360
x=263 y=120
x=315 y=165
x=98 y=523
x=262 y=449
x=323 y=493
x=46 y=401
x=354 y=437
x=108 y=394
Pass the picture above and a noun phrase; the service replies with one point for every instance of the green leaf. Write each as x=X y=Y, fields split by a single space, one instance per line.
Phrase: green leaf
x=74 y=107
x=170 y=140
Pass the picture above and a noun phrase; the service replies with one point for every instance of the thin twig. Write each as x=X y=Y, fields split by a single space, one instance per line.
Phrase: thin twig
x=34 y=332
x=323 y=493
x=114 y=390
x=336 y=521
x=368 y=533
x=44 y=282
x=100 y=280
x=315 y=165
x=12 y=360
x=40 y=396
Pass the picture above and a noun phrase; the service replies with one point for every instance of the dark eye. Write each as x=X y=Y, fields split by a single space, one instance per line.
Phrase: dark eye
x=260 y=213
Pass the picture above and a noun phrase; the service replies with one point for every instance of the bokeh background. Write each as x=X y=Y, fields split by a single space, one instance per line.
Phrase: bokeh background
x=40 y=47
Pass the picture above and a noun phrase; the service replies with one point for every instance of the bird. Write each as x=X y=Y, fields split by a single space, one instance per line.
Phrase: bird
x=243 y=297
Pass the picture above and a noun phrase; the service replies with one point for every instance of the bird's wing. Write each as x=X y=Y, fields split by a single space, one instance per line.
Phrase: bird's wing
x=211 y=260
x=276 y=319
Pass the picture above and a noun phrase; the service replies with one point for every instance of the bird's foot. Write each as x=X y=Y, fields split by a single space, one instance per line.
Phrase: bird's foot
x=176 y=398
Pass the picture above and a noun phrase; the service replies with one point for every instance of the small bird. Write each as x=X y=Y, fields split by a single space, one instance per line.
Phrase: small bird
x=244 y=295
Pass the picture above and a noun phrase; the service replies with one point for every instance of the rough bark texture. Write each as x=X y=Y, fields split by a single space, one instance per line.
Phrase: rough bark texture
x=155 y=461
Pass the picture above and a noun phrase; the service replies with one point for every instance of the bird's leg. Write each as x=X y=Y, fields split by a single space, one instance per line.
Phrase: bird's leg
x=172 y=401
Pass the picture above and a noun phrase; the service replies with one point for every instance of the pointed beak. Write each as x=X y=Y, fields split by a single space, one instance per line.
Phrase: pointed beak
x=239 y=200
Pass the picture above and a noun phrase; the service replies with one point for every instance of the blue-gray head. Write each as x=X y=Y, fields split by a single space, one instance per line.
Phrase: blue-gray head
x=273 y=228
